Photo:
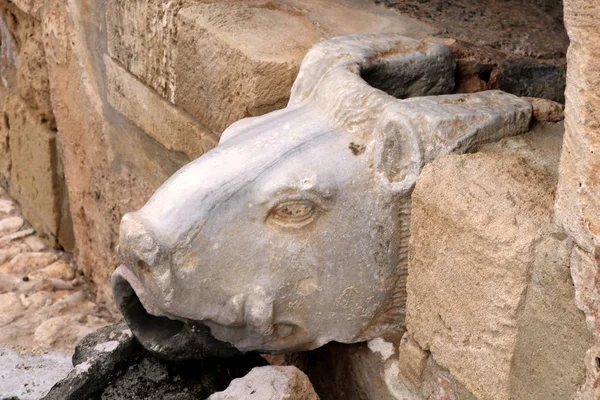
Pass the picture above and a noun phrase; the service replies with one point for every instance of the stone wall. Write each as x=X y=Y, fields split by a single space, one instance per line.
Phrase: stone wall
x=140 y=88
x=578 y=197
x=30 y=161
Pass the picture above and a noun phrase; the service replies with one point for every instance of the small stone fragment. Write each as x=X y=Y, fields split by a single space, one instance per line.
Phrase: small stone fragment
x=10 y=225
x=11 y=308
x=35 y=243
x=58 y=270
x=412 y=360
x=58 y=331
x=7 y=207
x=269 y=383
x=14 y=236
x=546 y=110
x=25 y=263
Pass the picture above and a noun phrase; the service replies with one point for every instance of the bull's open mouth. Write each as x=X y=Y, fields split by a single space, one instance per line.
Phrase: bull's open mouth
x=165 y=337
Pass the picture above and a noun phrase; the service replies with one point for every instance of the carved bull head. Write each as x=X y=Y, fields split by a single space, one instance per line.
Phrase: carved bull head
x=293 y=232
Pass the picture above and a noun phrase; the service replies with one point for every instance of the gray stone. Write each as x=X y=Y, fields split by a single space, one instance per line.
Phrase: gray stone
x=293 y=232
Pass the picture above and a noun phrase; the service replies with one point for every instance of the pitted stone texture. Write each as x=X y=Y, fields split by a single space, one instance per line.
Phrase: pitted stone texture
x=488 y=279
x=578 y=193
x=545 y=110
x=269 y=383
x=225 y=61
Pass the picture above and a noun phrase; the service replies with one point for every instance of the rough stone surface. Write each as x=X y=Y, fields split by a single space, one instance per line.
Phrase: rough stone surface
x=412 y=360
x=578 y=193
x=532 y=79
x=488 y=279
x=330 y=152
x=269 y=383
x=545 y=110
x=28 y=141
x=172 y=127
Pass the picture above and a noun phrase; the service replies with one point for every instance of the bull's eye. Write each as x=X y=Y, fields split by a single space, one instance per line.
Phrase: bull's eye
x=293 y=213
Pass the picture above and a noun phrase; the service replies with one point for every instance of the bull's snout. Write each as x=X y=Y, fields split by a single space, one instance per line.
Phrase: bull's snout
x=138 y=249
x=139 y=254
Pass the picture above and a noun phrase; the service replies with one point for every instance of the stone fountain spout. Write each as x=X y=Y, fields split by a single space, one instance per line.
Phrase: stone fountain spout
x=293 y=231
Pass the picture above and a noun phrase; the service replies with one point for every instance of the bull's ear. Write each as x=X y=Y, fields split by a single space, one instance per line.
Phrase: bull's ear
x=415 y=131
x=398 y=153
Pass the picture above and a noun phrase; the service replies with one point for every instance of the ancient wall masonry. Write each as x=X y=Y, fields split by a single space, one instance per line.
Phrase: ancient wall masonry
x=578 y=195
x=489 y=274
x=30 y=161
x=102 y=101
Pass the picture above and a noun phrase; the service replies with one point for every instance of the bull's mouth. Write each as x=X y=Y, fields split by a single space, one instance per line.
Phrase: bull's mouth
x=165 y=337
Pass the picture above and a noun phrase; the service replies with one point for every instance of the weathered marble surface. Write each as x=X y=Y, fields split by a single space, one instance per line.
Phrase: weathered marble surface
x=293 y=232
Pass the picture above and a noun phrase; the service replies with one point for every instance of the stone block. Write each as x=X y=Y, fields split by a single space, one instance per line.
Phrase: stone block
x=578 y=194
x=269 y=383
x=224 y=61
x=412 y=360
x=170 y=126
x=34 y=160
x=489 y=293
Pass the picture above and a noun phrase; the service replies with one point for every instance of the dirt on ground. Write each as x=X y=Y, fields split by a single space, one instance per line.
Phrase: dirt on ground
x=532 y=28
x=44 y=299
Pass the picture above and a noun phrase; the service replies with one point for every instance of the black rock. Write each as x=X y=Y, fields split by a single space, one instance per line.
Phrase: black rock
x=533 y=79
x=110 y=364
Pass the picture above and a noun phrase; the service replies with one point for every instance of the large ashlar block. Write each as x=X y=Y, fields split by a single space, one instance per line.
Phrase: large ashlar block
x=489 y=288
x=35 y=168
x=578 y=195
x=223 y=61
x=169 y=125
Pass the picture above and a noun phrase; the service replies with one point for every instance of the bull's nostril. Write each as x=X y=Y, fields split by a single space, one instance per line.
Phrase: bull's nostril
x=163 y=336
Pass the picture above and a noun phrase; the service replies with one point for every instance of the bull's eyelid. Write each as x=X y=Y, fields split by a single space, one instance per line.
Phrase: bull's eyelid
x=294 y=213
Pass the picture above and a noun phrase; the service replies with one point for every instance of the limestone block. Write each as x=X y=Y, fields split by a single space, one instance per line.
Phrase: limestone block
x=578 y=195
x=226 y=61
x=34 y=182
x=172 y=127
x=269 y=383
x=489 y=293
x=546 y=110
x=412 y=360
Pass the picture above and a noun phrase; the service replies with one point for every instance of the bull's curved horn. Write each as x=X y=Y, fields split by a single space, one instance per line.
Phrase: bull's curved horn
x=352 y=79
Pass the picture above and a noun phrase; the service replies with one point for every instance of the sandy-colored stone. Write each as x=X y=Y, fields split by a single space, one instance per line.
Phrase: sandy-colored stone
x=7 y=253
x=24 y=263
x=269 y=383
x=69 y=328
x=10 y=225
x=225 y=61
x=7 y=207
x=539 y=148
x=578 y=193
x=412 y=360
x=35 y=243
x=488 y=279
x=58 y=270
x=545 y=110
x=11 y=308
x=172 y=127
